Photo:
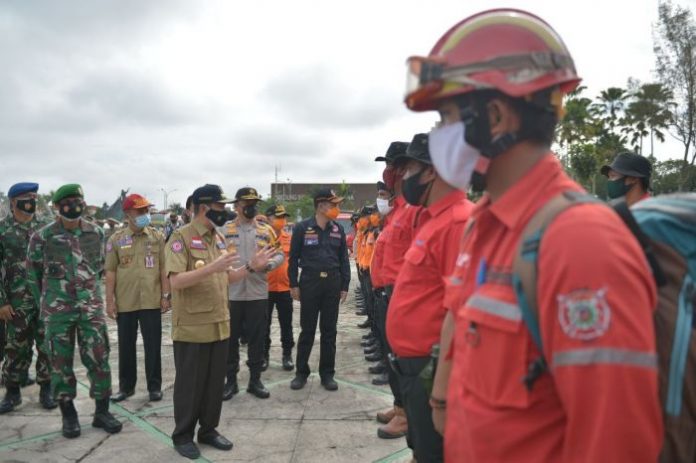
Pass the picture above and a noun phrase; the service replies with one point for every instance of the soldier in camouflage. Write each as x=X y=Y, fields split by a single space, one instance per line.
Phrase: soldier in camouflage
x=17 y=306
x=65 y=261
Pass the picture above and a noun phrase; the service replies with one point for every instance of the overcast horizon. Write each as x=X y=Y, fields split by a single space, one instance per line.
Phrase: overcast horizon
x=175 y=94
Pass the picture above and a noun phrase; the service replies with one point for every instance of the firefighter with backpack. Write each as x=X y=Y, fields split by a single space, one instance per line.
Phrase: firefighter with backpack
x=584 y=385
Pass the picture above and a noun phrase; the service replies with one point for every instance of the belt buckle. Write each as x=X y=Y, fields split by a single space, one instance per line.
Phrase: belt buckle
x=323 y=274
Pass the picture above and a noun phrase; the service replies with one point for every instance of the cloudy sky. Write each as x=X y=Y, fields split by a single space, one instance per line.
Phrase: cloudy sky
x=153 y=95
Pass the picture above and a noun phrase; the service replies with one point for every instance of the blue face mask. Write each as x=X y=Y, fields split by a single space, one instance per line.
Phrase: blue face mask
x=142 y=221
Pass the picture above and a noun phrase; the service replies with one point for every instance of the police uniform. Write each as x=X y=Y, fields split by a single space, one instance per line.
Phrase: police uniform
x=248 y=298
x=322 y=254
x=200 y=326
x=136 y=257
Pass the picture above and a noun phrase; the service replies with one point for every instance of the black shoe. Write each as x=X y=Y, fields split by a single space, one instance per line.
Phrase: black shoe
x=287 y=363
x=71 y=425
x=121 y=396
x=29 y=381
x=104 y=419
x=13 y=398
x=188 y=450
x=365 y=324
x=374 y=357
x=361 y=313
x=370 y=349
x=378 y=369
x=367 y=336
x=216 y=440
x=298 y=383
x=231 y=388
x=381 y=379
x=329 y=384
x=46 y=398
x=257 y=388
x=369 y=342
x=155 y=396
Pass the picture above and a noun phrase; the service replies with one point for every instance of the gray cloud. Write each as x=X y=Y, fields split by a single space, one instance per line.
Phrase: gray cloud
x=317 y=95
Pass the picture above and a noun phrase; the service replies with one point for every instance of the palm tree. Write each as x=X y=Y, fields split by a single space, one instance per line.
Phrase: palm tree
x=649 y=113
x=611 y=105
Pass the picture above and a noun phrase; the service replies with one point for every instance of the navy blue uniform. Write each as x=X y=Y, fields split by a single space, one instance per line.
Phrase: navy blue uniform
x=323 y=256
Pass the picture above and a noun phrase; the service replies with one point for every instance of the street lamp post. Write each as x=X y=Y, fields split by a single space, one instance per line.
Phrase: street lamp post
x=165 y=196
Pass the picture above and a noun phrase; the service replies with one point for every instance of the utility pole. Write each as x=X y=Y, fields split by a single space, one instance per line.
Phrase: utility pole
x=165 y=196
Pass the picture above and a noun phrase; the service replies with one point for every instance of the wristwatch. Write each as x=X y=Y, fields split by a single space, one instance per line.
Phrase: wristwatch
x=167 y=296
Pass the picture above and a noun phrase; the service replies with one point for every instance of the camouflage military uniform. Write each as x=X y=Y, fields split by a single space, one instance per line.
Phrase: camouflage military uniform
x=26 y=326
x=64 y=269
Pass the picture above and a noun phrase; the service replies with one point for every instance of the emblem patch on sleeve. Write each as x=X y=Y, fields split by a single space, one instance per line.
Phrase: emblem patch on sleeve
x=584 y=313
x=177 y=246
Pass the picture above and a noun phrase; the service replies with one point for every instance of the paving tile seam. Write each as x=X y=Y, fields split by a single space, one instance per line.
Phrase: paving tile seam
x=394 y=456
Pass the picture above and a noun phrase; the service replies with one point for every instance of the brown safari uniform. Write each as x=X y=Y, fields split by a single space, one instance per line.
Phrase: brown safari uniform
x=137 y=259
x=200 y=331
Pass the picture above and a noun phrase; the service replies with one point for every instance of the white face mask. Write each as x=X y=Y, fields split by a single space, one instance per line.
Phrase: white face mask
x=383 y=206
x=453 y=158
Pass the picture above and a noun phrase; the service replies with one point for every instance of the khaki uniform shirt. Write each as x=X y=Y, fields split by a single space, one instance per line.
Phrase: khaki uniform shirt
x=137 y=259
x=199 y=312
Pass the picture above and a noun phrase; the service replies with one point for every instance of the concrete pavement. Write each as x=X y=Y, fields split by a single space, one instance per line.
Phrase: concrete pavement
x=311 y=425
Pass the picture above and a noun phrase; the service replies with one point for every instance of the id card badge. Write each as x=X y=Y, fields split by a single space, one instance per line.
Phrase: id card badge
x=149 y=261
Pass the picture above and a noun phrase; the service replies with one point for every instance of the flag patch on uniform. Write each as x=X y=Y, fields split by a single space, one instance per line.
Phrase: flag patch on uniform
x=197 y=243
x=584 y=313
x=335 y=235
x=177 y=246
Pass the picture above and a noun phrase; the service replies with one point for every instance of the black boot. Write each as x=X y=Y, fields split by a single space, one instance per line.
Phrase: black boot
x=71 y=426
x=287 y=362
x=46 y=397
x=231 y=388
x=256 y=387
x=13 y=398
x=104 y=419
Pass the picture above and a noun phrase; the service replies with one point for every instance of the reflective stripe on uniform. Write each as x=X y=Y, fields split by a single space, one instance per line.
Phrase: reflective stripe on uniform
x=494 y=307
x=605 y=355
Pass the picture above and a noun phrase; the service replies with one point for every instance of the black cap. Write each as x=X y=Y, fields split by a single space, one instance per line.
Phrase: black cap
x=381 y=186
x=246 y=193
x=277 y=211
x=326 y=194
x=396 y=149
x=630 y=164
x=189 y=200
x=366 y=210
x=209 y=194
x=418 y=149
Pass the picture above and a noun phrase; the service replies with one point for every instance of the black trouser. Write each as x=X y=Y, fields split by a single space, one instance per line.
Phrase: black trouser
x=318 y=295
x=422 y=437
x=198 y=385
x=283 y=304
x=253 y=315
x=151 y=328
x=381 y=319
x=2 y=340
x=368 y=294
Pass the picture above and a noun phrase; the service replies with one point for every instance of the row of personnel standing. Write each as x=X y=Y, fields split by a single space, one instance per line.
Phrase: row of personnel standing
x=499 y=346
x=222 y=274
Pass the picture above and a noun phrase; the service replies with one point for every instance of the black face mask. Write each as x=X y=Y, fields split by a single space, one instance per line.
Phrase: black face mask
x=71 y=209
x=28 y=206
x=413 y=190
x=250 y=211
x=219 y=218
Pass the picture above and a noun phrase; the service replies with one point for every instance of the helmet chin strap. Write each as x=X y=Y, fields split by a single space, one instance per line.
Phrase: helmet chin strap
x=477 y=133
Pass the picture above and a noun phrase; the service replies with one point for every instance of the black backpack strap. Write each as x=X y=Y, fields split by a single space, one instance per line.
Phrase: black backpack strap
x=621 y=208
